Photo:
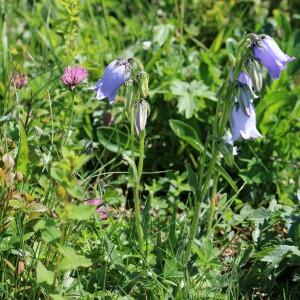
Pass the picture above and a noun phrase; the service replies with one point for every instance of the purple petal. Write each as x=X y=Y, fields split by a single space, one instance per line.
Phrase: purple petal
x=95 y=201
x=72 y=76
x=244 y=78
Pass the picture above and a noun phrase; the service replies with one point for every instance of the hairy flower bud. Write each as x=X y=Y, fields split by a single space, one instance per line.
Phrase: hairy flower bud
x=255 y=72
x=132 y=94
x=141 y=115
x=143 y=84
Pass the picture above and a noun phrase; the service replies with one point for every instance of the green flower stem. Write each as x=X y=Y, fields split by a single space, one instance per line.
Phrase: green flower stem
x=132 y=133
x=136 y=187
x=141 y=154
x=222 y=115
x=70 y=118
x=212 y=209
x=199 y=200
x=61 y=242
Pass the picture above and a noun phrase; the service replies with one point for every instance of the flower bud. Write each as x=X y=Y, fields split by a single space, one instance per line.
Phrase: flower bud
x=143 y=84
x=8 y=161
x=254 y=70
x=21 y=267
x=141 y=115
x=132 y=94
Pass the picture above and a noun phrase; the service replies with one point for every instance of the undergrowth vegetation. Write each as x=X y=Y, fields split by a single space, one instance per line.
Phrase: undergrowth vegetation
x=139 y=196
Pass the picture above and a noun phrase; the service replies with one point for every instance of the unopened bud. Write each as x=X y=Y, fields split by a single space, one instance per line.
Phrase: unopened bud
x=255 y=72
x=143 y=84
x=132 y=94
x=141 y=115
x=21 y=267
x=8 y=161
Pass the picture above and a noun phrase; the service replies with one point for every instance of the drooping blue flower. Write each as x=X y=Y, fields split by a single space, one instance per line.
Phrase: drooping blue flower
x=115 y=74
x=243 y=125
x=271 y=56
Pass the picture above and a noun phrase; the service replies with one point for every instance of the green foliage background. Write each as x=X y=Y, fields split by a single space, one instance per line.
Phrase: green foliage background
x=187 y=48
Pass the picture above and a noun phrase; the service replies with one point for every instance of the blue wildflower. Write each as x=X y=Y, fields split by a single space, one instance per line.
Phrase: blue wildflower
x=115 y=74
x=270 y=55
x=243 y=125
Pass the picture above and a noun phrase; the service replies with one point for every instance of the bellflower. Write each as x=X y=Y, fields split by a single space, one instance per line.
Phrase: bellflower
x=115 y=74
x=72 y=76
x=271 y=56
x=243 y=125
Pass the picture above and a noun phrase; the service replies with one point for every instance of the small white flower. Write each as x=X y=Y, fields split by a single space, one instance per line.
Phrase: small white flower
x=146 y=45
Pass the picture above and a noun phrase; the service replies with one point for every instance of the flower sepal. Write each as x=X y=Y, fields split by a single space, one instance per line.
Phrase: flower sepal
x=132 y=95
x=254 y=70
x=143 y=80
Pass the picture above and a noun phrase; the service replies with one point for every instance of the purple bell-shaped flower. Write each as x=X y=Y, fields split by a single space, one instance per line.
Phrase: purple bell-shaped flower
x=115 y=74
x=243 y=125
x=270 y=55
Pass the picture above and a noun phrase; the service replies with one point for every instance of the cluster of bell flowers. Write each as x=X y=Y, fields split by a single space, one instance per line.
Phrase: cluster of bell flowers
x=264 y=51
x=119 y=72
x=129 y=72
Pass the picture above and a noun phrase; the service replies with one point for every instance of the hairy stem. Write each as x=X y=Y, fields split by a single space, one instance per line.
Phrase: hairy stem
x=212 y=209
x=136 y=186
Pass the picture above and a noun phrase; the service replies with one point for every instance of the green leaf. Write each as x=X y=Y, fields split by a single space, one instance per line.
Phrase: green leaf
x=36 y=207
x=187 y=95
x=81 y=212
x=274 y=254
x=113 y=139
x=161 y=32
x=23 y=153
x=16 y=203
x=71 y=260
x=43 y=275
x=59 y=297
x=187 y=134
x=171 y=270
x=217 y=43
x=246 y=255
x=228 y=178
x=49 y=231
